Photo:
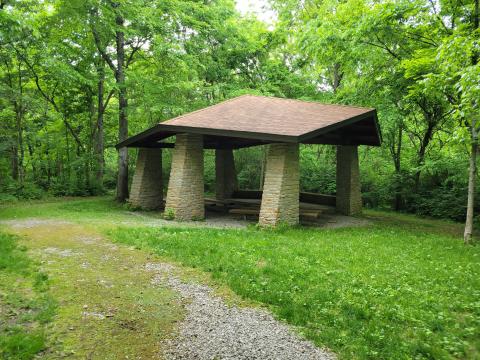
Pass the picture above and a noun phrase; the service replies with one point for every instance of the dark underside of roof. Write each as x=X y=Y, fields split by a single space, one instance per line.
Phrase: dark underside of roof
x=357 y=131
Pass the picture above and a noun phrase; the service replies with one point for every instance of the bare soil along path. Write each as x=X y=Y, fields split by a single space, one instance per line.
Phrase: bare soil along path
x=117 y=302
x=107 y=308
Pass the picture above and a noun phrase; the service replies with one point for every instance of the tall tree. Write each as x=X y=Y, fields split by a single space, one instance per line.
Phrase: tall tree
x=474 y=130
x=119 y=71
x=111 y=21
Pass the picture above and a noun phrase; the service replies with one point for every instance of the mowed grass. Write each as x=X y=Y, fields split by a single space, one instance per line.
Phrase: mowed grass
x=404 y=287
x=380 y=292
x=88 y=208
x=25 y=304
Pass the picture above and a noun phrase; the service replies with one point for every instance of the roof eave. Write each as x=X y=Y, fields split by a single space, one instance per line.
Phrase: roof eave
x=372 y=113
x=177 y=129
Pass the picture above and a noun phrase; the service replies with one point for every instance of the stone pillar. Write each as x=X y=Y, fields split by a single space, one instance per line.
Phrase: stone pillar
x=349 y=197
x=225 y=175
x=185 y=188
x=280 y=200
x=147 y=185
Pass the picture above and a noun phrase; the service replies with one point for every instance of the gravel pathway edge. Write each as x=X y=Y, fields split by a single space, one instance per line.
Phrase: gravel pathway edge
x=214 y=330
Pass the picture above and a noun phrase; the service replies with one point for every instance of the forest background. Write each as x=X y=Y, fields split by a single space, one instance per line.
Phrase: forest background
x=78 y=76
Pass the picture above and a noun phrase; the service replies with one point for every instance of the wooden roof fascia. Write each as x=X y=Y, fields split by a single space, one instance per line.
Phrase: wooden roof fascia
x=230 y=133
x=156 y=145
x=342 y=141
x=140 y=136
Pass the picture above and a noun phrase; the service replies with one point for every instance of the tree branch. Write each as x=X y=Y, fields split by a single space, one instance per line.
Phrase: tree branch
x=105 y=104
x=51 y=98
x=101 y=50
x=383 y=47
x=135 y=49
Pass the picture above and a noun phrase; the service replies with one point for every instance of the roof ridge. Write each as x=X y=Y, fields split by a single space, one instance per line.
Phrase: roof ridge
x=308 y=101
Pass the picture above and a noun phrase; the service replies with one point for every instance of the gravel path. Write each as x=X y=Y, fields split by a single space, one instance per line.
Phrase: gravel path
x=213 y=330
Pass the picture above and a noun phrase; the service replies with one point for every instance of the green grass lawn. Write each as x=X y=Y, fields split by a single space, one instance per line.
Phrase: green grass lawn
x=25 y=305
x=385 y=291
x=401 y=288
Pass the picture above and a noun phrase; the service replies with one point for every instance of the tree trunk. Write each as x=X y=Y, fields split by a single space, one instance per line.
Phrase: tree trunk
x=19 y=125
x=122 y=181
x=99 y=144
x=14 y=162
x=337 y=77
x=427 y=137
x=21 y=151
x=32 y=159
x=472 y=176
x=263 y=166
x=398 y=170
x=69 y=167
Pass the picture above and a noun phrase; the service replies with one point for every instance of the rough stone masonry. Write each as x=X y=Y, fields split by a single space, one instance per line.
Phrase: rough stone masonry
x=349 y=197
x=147 y=184
x=280 y=200
x=185 y=200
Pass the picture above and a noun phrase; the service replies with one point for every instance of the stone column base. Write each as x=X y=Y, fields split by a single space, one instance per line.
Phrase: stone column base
x=349 y=197
x=280 y=199
x=225 y=174
x=147 y=186
x=185 y=200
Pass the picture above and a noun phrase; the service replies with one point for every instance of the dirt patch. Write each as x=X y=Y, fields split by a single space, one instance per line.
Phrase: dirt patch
x=229 y=221
x=335 y=221
x=60 y=252
x=33 y=223
x=108 y=308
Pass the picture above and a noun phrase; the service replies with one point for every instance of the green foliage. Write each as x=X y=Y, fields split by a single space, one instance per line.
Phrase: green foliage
x=25 y=302
x=318 y=174
x=169 y=214
x=411 y=60
x=397 y=289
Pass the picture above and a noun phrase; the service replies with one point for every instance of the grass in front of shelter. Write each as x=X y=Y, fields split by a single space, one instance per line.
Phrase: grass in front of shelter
x=92 y=209
x=404 y=287
x=394 y=290
x=25 y=303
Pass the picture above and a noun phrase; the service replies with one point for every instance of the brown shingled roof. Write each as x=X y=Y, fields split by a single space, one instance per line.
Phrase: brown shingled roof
x=261 y=119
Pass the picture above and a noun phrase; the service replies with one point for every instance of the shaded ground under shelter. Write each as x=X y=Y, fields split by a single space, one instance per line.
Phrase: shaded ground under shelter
x=247 y=121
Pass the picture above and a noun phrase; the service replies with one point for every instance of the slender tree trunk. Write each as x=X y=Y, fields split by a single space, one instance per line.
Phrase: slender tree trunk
x=427 y=137
x=32 y=159
x=87 y=160
x=398 y=170
x=69 y=168
x=337 y=77
x=472 y=174
x=15 y=162
x=99 y=146
x=20 y=149
x=48 y=165
x=19 y=125
x=122 y=181
x=264 y=166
